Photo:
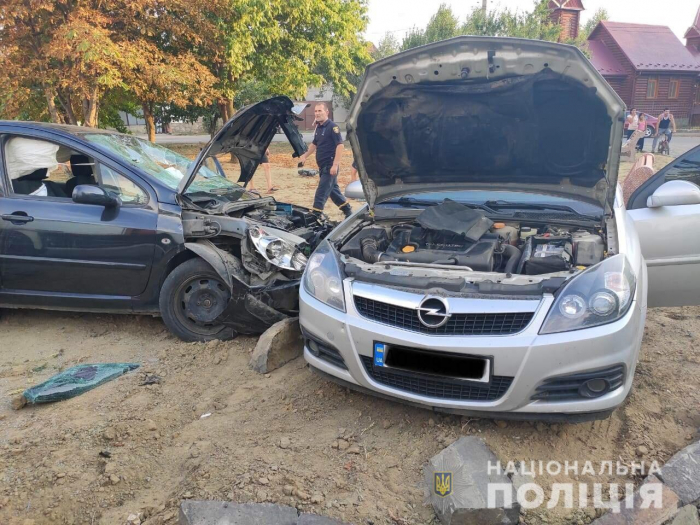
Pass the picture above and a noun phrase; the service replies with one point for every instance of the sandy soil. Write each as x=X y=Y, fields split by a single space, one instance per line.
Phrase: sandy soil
x=275 y=438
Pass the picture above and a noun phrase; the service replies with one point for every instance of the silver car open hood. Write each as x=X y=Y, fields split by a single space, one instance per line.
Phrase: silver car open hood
x=487 y=113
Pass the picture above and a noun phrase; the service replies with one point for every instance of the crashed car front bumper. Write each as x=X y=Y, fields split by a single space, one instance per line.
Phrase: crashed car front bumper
x=525 y=361
x=252 y=310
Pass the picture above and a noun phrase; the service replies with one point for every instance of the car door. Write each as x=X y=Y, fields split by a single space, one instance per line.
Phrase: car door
x=55 y=252
x=669 y=231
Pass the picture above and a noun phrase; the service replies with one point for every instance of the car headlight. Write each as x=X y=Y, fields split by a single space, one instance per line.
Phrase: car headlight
x=322 y=277
x=599 y=295
x=280 y=252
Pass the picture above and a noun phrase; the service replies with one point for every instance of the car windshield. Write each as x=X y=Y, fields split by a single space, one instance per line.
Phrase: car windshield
x=165 y=164
x=511 y=198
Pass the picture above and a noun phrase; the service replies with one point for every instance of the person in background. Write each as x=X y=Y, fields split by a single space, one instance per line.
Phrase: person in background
x=665 y=126
x=642 y=126
x=328 y=145
x=632 y=123
x=265 y=163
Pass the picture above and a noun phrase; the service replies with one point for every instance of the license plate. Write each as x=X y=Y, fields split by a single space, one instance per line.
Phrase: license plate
x=379 y=353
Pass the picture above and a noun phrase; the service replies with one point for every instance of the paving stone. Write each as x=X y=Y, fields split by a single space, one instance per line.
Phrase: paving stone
x=315 y=519
x=225 y=513
x=636 y=515
x=467 y=461
x=688 y=515
x=681 y=474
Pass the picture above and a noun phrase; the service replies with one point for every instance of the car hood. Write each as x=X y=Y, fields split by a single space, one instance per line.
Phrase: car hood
x=248 y=135
x=487 y=113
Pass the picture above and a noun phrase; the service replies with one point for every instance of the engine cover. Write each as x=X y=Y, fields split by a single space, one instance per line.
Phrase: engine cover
x=415 y=244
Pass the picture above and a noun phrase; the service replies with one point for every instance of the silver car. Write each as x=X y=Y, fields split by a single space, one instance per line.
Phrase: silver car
x=495 y=269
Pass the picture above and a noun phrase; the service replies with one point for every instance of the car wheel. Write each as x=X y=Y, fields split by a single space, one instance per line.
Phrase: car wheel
x=649 y=131
x=191 y=299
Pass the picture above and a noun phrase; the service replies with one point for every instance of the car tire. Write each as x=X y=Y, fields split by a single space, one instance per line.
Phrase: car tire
x=192 y=296
x=649 y=132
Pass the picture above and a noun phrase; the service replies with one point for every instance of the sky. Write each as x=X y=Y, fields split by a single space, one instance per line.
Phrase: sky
x=399 y=16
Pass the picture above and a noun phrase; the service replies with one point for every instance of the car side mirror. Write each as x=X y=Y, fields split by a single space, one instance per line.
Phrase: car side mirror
x=87 y=194
x=354 y=191
x=674 y=193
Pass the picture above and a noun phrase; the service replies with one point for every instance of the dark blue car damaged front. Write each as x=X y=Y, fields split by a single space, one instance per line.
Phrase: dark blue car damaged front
x=56 y=253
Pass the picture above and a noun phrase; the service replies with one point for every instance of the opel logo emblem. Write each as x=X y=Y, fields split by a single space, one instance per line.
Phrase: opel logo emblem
x=433 y=312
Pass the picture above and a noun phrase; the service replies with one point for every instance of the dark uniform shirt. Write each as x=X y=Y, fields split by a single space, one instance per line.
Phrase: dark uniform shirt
x=326 y=138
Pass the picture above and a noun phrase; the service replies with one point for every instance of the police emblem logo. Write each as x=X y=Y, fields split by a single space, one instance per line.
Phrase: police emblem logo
x=336 y=129
x=443 y=484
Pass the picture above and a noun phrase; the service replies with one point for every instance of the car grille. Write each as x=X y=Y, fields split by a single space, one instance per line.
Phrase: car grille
x=458 y=324
x=440 y=388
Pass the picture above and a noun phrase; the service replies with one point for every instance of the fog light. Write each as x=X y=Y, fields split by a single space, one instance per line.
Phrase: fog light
x=594 y=388
x=313 y=347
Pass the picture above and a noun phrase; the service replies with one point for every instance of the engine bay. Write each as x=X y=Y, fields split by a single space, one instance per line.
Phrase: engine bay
x=451 y=235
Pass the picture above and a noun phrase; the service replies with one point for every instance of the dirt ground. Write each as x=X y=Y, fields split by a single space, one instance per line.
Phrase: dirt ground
x=275 y=437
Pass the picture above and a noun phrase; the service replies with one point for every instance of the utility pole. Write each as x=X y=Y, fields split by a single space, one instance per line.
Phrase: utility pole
x=484 y=5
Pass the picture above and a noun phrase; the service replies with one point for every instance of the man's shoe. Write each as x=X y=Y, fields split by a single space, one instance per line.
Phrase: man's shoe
x=346 y=209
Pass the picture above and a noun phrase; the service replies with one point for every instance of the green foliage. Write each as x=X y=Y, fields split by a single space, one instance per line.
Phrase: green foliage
x=442 y=25
x=534 y=24
x=112 y=102
x=588 y=27
x=388 y=45
x=414 y=37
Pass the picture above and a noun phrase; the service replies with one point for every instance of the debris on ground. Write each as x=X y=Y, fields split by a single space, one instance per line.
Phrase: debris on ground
x=280 y=343
x=73 y=382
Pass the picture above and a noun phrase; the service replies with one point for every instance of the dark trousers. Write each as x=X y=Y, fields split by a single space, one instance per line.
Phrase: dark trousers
x=328 y=187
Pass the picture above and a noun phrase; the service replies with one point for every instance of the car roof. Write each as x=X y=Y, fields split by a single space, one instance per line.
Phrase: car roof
x=65 y=128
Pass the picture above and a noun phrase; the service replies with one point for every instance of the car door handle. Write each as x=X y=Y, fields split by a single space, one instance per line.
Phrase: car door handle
x=17 y=218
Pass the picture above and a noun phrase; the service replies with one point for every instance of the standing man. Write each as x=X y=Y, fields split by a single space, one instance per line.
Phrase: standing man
x=664 y=126
x=328 y=145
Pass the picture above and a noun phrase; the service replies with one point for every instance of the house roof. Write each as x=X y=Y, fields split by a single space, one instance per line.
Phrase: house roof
x=603 y=59
x=650 y=48
x=574 y=5
x=694 y=30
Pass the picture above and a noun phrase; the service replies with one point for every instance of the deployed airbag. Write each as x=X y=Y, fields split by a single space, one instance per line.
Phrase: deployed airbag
x=25 y=156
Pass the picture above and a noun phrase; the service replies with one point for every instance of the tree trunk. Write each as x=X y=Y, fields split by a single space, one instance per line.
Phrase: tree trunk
x=150 y=121
x=50 y=95
x=229 y=109
x=67 y=105
x=90 y=106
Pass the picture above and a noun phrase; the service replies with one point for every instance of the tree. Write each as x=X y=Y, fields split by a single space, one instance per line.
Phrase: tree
x=534 y=24
x=414 y=37
x=388 y=45
x=588 y=27
x=73 y=52
x=442 y=25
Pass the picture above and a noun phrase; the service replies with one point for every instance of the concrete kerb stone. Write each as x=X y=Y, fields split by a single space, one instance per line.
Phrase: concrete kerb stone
x=280 y=343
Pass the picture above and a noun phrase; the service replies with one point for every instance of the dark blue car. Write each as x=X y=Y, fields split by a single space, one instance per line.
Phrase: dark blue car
x=99 y=221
